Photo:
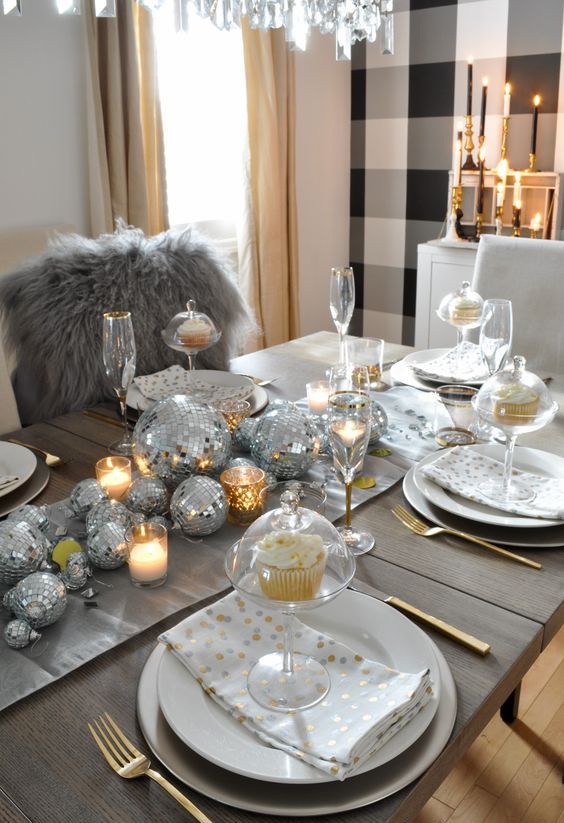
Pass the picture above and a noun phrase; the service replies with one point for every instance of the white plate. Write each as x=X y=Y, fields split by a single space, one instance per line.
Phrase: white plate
x=550 y=538
x=18 y=461
x=401 y=372
x=277 y=799
x=258 y=398
x=352 y=618
x=533 y=460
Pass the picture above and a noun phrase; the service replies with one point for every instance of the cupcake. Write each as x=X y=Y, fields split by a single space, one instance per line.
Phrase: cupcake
x=465 y=310
x=194 y=332
x=515 y=405
x=290 y=566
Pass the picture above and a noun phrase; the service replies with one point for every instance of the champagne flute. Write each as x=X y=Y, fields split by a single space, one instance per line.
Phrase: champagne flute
x=349 y=435
x=496 y=334
x=341 y=304
x=119 y=354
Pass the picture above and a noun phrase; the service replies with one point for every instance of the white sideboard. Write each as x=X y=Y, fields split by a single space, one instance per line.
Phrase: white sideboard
x=441 y=268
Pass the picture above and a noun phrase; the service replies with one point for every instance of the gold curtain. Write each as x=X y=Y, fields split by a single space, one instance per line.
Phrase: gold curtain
x=268 y=253
x=125 y=143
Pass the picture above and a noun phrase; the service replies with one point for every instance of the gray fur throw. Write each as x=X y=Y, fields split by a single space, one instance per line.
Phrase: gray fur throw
x=52 y=309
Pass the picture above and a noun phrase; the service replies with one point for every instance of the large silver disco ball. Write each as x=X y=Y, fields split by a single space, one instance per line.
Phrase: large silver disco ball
x=23 y=548
x=199 y=506
x=39 y=599
x=176 y=438
x=34 y=515
x=286 y=442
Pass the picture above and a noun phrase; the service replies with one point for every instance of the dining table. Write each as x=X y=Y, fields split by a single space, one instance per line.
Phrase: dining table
x=50 y=768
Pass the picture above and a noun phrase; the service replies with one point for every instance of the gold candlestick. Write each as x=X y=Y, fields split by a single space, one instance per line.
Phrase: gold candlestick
x=479 y=224
x=504 y=138
x=469 y=164
x=532 y=162
x=516 y=221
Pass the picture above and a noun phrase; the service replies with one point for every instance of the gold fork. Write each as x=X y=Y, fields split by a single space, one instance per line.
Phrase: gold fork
x=129 y=762
x=52 y=460
x=424 y=530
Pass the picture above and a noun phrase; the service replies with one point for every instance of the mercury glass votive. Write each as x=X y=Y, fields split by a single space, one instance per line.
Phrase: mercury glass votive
x=243 y=486
x=148 y=554
x=233 y=411
x=318 y=396
x=114 y=475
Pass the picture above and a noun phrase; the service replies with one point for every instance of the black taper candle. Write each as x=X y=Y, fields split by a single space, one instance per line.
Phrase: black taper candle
x=483 y=108
x=482 y=161
x=469 y=90
x=536 y=104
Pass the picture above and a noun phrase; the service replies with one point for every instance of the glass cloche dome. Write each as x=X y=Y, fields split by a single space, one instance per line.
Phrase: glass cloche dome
x=462 y=308
x=190 y=332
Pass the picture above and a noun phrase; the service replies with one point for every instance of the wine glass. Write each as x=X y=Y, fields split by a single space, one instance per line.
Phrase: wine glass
x=496 y=334
x=341 y=304
x=119 y=354
x=349 y=436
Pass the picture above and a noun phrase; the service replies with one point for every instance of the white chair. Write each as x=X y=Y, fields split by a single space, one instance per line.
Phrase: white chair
x=530 y=273
x=15 y=246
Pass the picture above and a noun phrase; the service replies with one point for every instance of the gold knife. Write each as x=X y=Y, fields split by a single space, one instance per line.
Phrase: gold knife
x=465 y=639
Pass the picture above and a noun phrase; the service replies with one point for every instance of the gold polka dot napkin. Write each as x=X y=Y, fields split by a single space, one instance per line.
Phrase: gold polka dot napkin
x=366 y=705
x=176 y=380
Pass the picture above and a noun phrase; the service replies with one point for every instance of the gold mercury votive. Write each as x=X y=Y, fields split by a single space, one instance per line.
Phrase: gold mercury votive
x=243 y=486
x=233 y=411
x=114 y=475
x=148 y=554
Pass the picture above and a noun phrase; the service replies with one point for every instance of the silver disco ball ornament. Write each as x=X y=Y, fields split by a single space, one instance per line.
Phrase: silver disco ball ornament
x=85 y=495
x=240 y=461
x=137 y=518
x=76 y=571
x=244 y=433
x=286 y=442
x=175 y=438
x=19 y=634
x=378 y=422
x=159 y=520
x=23 y=549
x=34 y=515
x=107 y=511
x=148 y=495
x=199 y=506
x=39 y=599
x=107 y=548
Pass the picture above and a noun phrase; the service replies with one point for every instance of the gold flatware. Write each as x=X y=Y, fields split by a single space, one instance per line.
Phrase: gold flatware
x=258 y=381
x=424 y=530
x=129 y=762
x=465 y=639
x=51 y=460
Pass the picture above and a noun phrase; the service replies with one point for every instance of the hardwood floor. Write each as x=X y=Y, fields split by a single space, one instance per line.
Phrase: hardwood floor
x=513 y=774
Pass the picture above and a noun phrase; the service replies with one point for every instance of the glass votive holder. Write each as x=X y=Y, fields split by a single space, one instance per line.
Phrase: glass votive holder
x=233 y=411
x=243 y=486
x=318 y=396
x=114 y=475
x=369 y=352
x=455 y=417
x=148 y=554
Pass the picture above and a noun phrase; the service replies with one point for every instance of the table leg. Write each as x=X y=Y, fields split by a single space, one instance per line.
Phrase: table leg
x=510 y=708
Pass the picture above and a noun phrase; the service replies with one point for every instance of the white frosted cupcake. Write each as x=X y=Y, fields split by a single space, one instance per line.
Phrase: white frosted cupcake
x=194 y=332
x=515 y=405
x=290 y=566
x=465 y=310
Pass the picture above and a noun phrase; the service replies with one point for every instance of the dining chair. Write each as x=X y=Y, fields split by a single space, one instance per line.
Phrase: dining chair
x=530 y=273
x=52 y=308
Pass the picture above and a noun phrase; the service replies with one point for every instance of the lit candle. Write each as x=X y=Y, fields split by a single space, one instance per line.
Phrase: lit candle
x=517 y=191
x=500 y=195
x=114 y=475
x=349 y=431
x=483 y=108
x=536 y=104
x=243 y=486
x=506 y=100
x=482 y=159
x=318 y=396
x=536 y=222
x=469 y=89
x=148 y=555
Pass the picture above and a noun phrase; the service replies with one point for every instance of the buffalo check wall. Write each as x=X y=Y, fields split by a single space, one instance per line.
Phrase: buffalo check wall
x=405 y=108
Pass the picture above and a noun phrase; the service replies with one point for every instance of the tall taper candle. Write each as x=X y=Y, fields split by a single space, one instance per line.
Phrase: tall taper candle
x=506 y=100
x=458 y=155
x=517 y=190
x=536 y=104
x=469 y=89
x=482 y=159
x=483 y=108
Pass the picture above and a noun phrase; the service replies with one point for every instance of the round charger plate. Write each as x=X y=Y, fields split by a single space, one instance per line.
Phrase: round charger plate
x=532 y=460
x=30 y=489
x=549 y=538
x=16 y=461
x=302 y=800
x=364 y=624
x=402 y=372
x=135 y=400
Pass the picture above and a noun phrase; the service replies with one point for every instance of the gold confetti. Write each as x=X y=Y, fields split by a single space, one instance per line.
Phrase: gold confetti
x=380 y=453
x=364 y=481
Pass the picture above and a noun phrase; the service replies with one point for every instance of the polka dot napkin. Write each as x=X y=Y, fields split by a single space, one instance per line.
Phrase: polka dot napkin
x=447 y=368
x=366 y=705
x=176 y=380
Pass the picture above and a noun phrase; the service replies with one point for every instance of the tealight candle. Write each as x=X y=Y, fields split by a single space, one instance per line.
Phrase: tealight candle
x=148 y=555
x=243 y=486
x=114 y=475
x=318 y=396
x=349 y=431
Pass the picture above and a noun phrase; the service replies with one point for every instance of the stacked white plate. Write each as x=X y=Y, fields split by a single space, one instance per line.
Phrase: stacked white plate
x=450 y=510
x=33 y=476
x=213 y=753
x=406 y=371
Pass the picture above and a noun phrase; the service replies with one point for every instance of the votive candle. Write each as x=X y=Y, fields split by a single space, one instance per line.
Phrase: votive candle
x=243 y=486
x=148 y=555
x=114 y=475
x=318 y=396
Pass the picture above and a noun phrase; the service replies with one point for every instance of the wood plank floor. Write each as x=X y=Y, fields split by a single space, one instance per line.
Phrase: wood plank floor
x=513 y=774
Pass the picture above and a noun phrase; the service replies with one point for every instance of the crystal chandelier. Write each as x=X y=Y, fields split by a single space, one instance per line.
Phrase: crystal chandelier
x=349 y=20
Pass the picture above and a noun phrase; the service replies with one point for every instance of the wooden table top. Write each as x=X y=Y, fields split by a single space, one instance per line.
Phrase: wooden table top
x=53 y=772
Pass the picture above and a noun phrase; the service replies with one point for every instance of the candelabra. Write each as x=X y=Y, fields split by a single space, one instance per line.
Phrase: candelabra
x=532 y=162
x=504 y=138
x=516 y=221
x=479 y=224
x=469 y=164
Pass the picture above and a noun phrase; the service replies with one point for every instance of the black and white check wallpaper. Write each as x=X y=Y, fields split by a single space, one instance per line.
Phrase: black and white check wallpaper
x=405 y=108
